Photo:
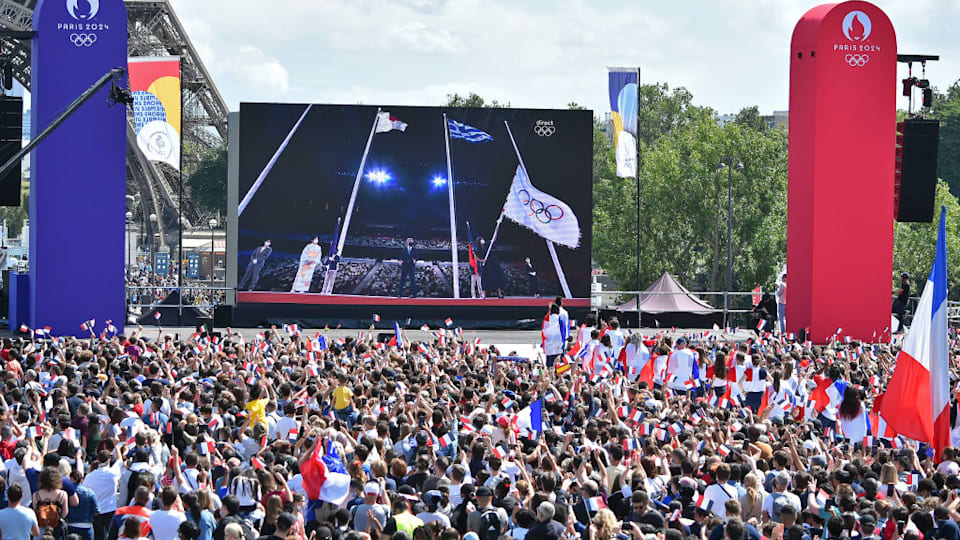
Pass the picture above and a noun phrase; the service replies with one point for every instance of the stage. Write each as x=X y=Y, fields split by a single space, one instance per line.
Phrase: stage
x=256 y=308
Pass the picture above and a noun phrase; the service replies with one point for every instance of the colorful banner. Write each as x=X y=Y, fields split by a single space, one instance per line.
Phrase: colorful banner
x=155 y=83
x=624 y=84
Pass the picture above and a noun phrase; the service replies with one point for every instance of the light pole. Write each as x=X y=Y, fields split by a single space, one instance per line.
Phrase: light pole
x=129 y=216
x=153 y=226
x=213 y=255
x=727 y=162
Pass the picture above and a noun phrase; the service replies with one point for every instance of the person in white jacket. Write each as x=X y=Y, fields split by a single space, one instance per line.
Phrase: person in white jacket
x=552 y=335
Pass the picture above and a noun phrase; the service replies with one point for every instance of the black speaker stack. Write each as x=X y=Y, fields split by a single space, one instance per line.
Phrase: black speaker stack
x=915 y=180
x=11 y=135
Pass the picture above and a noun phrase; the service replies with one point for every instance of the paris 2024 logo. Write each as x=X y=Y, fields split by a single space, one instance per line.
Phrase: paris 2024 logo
x=83 y=10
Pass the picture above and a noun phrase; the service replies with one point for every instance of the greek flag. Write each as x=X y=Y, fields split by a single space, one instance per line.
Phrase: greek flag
x=467 y=133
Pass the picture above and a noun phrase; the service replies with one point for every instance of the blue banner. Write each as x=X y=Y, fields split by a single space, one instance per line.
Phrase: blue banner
x=162 y=266
x=79 y=173
x=193 y=265
x=624 y=85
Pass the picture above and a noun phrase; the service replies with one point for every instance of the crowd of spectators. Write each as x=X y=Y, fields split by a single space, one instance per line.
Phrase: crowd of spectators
x=216 y=437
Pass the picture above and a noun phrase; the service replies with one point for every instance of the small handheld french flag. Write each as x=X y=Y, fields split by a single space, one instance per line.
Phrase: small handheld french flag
x=156 y=316
x=448 y=321
x=376 y=317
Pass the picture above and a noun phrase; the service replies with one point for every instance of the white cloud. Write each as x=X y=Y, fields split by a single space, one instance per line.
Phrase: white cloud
x=535 y=53
x=252 y=66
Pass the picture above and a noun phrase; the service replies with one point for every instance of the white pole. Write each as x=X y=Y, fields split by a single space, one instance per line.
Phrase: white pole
x=494 y=237
x=266 y=170
x=550 y=246
x=455 y=256
x=556 y=264
x=356 y=186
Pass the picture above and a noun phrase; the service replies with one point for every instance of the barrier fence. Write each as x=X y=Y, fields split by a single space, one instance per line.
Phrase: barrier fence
x=202 y=297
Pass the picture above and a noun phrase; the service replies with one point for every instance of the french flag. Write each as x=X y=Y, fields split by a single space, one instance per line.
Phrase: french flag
x=326 y=478
x=397 y=339
x=531 y=417
x=916 y=403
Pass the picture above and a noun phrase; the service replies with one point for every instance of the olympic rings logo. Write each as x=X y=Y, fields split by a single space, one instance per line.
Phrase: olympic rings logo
x=545 y=213
x=857 y=60
x=83 y=40
x=544 y=131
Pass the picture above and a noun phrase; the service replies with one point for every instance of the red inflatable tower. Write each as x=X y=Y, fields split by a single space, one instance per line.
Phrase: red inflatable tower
x=843 y=70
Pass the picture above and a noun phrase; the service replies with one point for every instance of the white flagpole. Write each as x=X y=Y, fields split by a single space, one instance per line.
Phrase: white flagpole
x=550 y=246
x=455 y=257
x=494 y=237
x=356 y=186
x=266 y=170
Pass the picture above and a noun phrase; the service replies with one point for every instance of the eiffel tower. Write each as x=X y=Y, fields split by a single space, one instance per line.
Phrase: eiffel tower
x=155 y=30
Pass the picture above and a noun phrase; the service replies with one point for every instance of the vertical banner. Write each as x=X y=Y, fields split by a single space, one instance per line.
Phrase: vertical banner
x=624 y=85
x=155 y=83
x=193 y=265
x=842 y=149
x=162 y=266
x=79 y=177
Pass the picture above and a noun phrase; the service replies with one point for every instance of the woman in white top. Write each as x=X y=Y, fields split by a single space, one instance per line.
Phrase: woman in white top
x=852 y=415
x=780 y=393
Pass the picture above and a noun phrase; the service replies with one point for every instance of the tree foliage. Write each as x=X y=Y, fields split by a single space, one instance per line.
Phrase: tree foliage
x=208 y=183
x=683 y=223
x=471 y=100
x=946 y=107
x=915 y=244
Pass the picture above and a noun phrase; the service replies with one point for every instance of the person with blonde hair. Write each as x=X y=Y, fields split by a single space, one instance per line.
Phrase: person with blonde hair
x=751 y=503
x=604 y=525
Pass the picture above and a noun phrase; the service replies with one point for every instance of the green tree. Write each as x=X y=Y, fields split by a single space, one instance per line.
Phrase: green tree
x=684 y=204
x=208 y=183
x=663 y=110
x=915 y=244
x=471 y=100
x=749 y=117
x=946 y=107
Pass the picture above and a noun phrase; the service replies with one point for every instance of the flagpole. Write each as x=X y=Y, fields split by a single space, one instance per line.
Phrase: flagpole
x=455 y=256
x=494 y=237
x=353 y=194
x=266 y=170
x=550 y=246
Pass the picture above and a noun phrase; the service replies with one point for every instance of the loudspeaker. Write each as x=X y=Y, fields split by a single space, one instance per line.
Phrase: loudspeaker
x=11 y=133
x=223 y=316
x=917 y=171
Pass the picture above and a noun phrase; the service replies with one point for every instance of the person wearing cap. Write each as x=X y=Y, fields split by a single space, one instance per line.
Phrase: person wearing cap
x=546 y=527
x=433 y=502
x=868 y=526
x=485 y=505
x=369 y=508
x=946 y=527
x=284 y=523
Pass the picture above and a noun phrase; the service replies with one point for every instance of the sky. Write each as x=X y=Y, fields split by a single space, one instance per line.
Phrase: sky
x=529 y=53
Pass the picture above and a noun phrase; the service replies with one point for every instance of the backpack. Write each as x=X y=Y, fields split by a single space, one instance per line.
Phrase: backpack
x=458 y=518
x=490 y=525
x=48 y=514
x=779 y=502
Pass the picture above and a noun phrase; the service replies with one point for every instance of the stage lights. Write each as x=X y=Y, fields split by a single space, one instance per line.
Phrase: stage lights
x=379 y=177
x=438 y=182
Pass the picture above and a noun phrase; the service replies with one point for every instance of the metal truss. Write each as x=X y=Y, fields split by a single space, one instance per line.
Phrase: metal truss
x=154 y=30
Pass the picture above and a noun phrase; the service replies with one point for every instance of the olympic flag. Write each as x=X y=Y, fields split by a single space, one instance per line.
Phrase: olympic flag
x=624 y=84
x=155 y=83
x=544 y=214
